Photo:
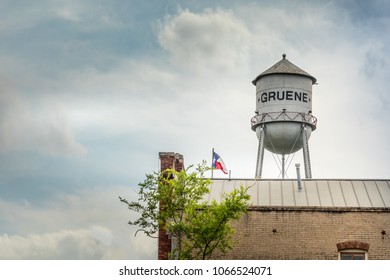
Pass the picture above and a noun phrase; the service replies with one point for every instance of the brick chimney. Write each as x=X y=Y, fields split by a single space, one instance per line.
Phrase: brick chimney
x=167 y=161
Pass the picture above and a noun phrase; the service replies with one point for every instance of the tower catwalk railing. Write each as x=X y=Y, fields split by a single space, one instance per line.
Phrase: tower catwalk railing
x=306 y=153
x=308 y=119
x=262 y=120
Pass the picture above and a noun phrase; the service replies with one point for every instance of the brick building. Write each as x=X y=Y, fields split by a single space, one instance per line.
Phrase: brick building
x=324 y=219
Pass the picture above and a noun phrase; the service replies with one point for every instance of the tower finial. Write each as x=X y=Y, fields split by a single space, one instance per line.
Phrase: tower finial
x=284 y=56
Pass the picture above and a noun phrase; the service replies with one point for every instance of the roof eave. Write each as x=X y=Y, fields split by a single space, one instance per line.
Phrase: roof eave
x=314 y=80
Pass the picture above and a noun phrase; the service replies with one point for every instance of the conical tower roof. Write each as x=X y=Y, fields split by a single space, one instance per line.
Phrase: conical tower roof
x=284 y=67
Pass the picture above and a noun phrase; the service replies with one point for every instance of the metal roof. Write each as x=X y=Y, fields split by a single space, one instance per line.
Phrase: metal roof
x=284 y=67
x=315 y=193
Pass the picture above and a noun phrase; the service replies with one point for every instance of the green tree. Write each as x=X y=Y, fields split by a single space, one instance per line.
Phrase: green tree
x=174 y=200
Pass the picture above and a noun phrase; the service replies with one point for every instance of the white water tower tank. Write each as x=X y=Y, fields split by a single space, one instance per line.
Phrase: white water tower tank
x=283 y=120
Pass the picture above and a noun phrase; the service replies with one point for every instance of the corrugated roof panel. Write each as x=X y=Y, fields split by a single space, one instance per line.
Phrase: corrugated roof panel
x=253 y=191
x=300 y=196
x=361 y=194
x=207 y=196
x=384 y=190
x=216 y=189
x=337 y=194
x=229 y=186
x=237 y=184
x=320 y=193
x=264 y=193
x=276 y=193
x=374 y=194
x=310 y=187
x=349 y=194
x=324 y=192
x=287 y=193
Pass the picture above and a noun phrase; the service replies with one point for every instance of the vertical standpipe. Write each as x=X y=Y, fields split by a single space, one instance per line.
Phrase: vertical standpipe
x=299 y=177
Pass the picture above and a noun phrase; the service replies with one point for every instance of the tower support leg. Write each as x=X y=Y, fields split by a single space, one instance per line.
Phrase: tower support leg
x=283 y=166
x=260 y=153
x=306 y=154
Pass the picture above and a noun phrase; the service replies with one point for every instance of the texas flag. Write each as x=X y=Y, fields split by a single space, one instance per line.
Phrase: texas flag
x=218 y=163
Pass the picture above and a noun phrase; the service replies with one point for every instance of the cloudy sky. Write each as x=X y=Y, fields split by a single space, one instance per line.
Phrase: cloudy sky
x=91 y=91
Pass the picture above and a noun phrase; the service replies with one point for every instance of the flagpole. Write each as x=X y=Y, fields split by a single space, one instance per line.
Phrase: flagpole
x=212 y=157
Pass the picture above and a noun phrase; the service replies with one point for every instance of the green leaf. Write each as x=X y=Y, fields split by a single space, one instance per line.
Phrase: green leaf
x=173 y=200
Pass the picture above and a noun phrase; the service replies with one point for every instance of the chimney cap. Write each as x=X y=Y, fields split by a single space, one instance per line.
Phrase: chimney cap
x=170 y=154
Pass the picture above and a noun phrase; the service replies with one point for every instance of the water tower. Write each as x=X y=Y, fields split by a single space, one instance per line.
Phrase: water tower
x=283 y=121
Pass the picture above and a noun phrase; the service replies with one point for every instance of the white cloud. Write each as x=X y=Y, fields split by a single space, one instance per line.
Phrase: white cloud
x=325 y=41
x=63 y=245
x=207 y=65
x=212 y=41
x=44 y=129
x=200 y=96
x=90 y=224
x=90 y=16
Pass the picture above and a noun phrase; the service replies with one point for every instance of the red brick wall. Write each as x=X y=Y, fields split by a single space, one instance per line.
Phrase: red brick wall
x=167 y=161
